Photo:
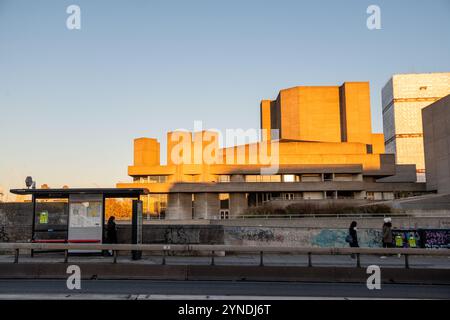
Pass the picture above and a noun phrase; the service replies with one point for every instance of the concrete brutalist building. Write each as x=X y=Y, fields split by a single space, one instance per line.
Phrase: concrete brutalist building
x=403 y=98
x=436 y=131
x=325 y=150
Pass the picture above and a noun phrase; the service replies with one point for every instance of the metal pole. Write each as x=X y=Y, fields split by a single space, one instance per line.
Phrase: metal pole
x=212 y=257
x=358 y=261
x=309 y=259
x=66 y=256
x=115 y=256
x=164 y=258
x=406 y=262
x=103 y=217
x=33 y=222
x=261 y=259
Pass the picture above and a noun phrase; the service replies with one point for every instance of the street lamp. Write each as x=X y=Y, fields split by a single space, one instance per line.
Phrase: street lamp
x=30 y=183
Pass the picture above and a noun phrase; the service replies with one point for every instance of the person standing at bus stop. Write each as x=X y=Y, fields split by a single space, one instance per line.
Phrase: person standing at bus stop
x=111 y=231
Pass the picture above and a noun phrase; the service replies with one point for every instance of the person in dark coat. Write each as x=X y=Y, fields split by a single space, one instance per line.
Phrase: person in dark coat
x=111 y=230
x=387 y=233
x=352 y=231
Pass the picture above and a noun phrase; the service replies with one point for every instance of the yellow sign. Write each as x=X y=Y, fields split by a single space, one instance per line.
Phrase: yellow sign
x=412 y=241
x=43 y=217
x=398 y=241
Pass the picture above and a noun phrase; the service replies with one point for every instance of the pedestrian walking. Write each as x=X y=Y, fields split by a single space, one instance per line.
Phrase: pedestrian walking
x=353 y=237
x=387 y=234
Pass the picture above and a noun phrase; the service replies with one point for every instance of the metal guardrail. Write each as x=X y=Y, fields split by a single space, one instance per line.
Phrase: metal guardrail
x=318 y=215
x=299 y=216
x=309 y=215
x=212 y=249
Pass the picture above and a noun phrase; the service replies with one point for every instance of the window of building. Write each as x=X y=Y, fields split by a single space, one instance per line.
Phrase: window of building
x=262 y=178
x=289 y=178
x=154 y=205
x=224 y=214
x=150 y=179
x=276 y=196
x=192 y=205
x=223 y=178
x=288 y=196
x=311 y=177
x=157 y=179
x=224 y=200
x=388 y=196
x=345 y=195
x=327 y=177
x=271 y=178
x=266 y=197
x=343 y=177
x=330 y=194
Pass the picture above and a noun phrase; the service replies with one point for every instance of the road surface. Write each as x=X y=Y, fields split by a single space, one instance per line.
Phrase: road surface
x=151 y=289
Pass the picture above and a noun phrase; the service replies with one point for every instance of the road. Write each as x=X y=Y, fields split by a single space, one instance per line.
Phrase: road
x=150 y=289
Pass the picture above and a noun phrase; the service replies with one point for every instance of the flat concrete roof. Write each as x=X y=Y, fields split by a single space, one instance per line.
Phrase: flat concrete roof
x=65 y=193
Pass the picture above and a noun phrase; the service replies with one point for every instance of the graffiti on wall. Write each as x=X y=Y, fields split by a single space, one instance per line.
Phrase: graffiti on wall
x=372 y=238
x=436 y=238
x=369 y=238
x=254 y=234
x=336 y=238
x=181 y=235
x=299 y=236
x=329 y=238
x=176 y=235
x=3 y=235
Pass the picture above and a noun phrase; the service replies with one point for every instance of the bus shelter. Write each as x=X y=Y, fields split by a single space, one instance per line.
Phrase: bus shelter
x=86 y=212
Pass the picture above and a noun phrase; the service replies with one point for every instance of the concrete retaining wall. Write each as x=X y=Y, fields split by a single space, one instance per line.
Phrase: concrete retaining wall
x=229 y=273
x=175 y=234
x=295 y=236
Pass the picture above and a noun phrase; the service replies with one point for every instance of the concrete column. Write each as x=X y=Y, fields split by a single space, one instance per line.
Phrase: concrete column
x=206 y=206
x=179 y=206
x=238 y=204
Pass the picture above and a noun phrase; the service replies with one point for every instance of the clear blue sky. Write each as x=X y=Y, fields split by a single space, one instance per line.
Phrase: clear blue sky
x=71 y=102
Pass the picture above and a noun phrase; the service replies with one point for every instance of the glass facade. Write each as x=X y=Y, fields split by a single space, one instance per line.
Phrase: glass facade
x=262 y=178
x=154 y=204
x=224 y=200
x=223 y=178
x=150 y=179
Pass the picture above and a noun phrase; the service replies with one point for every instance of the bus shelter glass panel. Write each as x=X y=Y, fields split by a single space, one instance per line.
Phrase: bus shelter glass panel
x=50 y=220
x=85 y=218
